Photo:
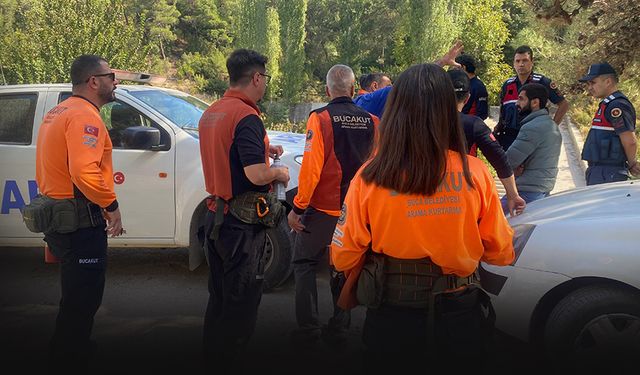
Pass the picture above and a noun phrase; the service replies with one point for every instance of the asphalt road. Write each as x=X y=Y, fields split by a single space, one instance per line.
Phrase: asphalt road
x=152 y=314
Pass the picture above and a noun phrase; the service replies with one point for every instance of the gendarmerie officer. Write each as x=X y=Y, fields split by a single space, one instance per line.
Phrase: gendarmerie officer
x=509 y=122
x=610 y=148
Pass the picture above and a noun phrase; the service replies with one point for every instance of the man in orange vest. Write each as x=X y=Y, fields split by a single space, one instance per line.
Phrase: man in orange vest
x=339 y=139
x=235 y=152
x=73 y=161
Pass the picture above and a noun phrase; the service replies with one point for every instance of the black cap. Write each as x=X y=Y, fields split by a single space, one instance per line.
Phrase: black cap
x=598 y=70
x=460 y=80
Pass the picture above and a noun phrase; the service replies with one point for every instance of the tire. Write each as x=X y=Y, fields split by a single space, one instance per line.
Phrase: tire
x=277 y=256
x=594 y=326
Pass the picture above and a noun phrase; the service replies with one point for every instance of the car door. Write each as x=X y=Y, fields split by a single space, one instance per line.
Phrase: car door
x=19 y=111
x=144 y=179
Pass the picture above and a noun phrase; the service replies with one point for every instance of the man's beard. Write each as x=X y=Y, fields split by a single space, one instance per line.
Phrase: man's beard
x=524 y=112
x=108 y=95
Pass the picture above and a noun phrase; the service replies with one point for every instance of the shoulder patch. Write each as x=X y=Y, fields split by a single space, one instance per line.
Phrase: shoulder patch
x=343 y=214
x=90 y=129
x=553 y=85
x=309 y=134
x=616 y=112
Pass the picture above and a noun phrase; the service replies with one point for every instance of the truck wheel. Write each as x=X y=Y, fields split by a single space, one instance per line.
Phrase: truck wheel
x=594 y=326
x=277 y=256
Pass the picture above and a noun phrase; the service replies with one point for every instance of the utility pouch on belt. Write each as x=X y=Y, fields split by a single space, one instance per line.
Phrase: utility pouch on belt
x=371 y=280
x=46 y=215
x=257 y=208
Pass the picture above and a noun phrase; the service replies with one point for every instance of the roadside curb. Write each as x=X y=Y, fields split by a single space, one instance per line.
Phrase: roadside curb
x=576 y=138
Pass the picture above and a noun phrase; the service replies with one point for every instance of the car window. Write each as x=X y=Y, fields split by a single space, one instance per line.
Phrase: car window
x=181 y=109
x=118 y=116
x=64 y=96
x=17 y=113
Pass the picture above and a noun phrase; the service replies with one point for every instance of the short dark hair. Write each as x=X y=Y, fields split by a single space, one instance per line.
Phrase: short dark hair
x=419 y=127
x=367 y=80
x=242 y=64
x=460 y=81
x=364 y=81
x=468 y=61
x=83 y=67
x=536 y=91
x=525 y=49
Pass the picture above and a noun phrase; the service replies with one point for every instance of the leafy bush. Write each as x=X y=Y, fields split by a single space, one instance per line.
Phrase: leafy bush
x=207 y=71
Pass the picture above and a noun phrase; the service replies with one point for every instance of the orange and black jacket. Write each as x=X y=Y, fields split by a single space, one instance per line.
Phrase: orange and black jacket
x=456 y=227
x=232 y=137
x=73 y=148
x=339 y=139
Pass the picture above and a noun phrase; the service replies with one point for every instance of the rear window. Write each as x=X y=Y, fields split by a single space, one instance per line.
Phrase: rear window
x=17 y=113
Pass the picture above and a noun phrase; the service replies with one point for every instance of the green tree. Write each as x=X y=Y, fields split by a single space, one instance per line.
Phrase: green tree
x=484 y=34
x=415 y=41
x=251 y=25
x=274 y=52
x=53 y=33
x=200 y=27
x=292 y=36
x=159 y=18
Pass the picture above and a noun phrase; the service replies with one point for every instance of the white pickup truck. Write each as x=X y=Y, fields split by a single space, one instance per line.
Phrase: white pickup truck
x=160 y=189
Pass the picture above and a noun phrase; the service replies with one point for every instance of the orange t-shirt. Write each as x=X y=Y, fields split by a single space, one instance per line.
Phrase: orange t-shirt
x=74 y=148
x=456 y=227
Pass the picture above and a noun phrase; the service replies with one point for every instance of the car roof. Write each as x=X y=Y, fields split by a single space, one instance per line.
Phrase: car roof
x=67 y=86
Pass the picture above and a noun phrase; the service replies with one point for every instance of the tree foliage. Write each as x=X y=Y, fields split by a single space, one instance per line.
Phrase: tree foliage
x=191 y=39
x=293 y=15
x=51 y=34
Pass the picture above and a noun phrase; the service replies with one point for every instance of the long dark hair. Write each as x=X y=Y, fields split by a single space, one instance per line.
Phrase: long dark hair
x=420 y=124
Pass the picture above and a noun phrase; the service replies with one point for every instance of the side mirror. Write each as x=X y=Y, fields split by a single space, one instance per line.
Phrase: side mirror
x=141 y=138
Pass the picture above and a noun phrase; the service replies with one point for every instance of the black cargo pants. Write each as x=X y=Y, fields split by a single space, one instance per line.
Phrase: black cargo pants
x=236 y=273
x=83 y=255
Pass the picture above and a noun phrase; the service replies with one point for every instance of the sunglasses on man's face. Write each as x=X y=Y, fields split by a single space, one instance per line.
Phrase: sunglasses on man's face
x=112 y=76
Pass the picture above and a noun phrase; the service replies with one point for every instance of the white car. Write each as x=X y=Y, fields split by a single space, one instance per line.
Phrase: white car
x=574 y=287
x=160 y=187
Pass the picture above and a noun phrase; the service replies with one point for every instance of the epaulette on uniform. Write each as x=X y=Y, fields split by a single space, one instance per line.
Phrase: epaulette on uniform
x=536 y=77
x=511 y=79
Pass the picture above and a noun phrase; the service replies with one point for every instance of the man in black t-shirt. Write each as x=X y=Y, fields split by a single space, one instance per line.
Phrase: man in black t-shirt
x=478 y=136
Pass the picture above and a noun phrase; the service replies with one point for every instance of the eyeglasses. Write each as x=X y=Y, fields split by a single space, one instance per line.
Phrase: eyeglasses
x=266 y=76
x=112 y=76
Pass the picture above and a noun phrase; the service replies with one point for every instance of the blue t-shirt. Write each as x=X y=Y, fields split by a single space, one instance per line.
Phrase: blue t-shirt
x=374 y=102
x=477 y=104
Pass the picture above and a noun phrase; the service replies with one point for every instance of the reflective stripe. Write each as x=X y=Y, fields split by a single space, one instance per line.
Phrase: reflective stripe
x=602 y=127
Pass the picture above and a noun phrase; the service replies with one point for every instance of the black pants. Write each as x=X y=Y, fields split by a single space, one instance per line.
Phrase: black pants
x=82 y=274
x=396 y=338
x=308 y=249
x=236 y=273
x=602 y=174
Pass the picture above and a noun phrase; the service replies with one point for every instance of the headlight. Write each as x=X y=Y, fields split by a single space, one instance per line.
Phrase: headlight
x=298 y=159
x=521 y=235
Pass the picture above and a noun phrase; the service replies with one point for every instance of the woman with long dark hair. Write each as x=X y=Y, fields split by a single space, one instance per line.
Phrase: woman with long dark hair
x=417 y=220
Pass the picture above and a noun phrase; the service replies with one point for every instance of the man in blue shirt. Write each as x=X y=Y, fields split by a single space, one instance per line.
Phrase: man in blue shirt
x=477 y=105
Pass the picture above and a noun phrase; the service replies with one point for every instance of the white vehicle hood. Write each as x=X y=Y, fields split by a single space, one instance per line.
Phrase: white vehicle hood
x=617 y=200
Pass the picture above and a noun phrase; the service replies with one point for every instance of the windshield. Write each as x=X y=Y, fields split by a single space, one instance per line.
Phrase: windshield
x=182 y=109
